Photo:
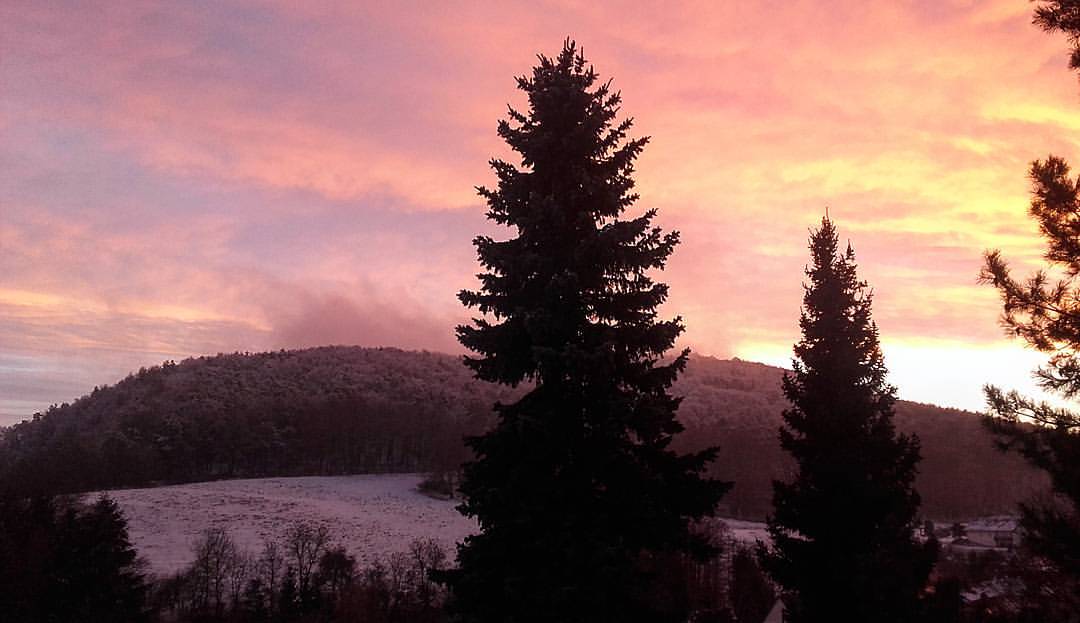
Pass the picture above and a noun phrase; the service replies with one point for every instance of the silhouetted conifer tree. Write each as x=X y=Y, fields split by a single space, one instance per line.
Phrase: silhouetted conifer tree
x=64 y=561
x=842 y=530
x=1045 y=312
x=576 y=485
x=1062 y=16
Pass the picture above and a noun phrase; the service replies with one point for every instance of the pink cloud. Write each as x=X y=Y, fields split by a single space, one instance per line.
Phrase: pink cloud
x=273 y=174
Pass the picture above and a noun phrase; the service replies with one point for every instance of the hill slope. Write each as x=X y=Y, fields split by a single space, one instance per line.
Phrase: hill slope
x=737 y=405
x=339 y=410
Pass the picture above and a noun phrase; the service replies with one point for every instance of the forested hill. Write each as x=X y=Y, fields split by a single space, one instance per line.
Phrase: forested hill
x=335 y=410
x=737 y=405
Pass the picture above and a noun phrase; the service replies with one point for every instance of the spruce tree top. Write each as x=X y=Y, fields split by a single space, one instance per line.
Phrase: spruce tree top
x=839 y=366
x=570 y=295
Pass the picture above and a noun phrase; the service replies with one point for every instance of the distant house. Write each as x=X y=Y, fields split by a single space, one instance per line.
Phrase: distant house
x=1002 y=531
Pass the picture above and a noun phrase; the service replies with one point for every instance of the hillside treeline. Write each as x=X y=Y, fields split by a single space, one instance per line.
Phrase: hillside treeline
x=339 y=410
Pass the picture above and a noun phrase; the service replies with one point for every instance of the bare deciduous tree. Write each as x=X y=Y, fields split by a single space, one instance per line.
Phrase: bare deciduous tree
x=216 y=559
x=305 y=544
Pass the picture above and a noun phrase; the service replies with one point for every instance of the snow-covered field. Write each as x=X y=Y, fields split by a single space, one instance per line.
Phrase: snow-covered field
x=748 y=531
x=373 y=516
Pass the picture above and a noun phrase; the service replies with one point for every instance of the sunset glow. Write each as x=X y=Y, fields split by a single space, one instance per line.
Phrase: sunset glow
x=180 y=179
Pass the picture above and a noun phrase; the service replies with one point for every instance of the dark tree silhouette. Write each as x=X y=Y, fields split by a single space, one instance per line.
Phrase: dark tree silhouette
x=843 y=528
x=1044 y=311
x=752 y=596
x=1061 y=16
x=65 y=561
x=97 y=574
x=576 y=485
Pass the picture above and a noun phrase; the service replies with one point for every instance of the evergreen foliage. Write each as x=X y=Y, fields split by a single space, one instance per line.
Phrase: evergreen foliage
x=1063 y=16
x=65 y=561
x=1044 y=311
x=576 y=486
x=842 y=530
x=319 y=411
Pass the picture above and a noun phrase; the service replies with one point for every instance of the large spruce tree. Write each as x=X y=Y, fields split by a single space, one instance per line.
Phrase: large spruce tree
x=842 y=529
x=576 y=489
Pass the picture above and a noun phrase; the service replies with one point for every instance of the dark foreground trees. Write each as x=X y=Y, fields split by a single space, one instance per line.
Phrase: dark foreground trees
x=65 y=561
x=575 y=489
x=843 y=528
x=1044 y=311
x=1062 y=16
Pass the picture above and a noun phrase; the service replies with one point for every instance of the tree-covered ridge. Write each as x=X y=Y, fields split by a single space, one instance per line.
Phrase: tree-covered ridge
x=285 y=412
x=316 y=411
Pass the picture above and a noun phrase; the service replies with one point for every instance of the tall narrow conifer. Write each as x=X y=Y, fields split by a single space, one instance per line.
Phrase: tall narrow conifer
x=576 y=489
x=842 y=530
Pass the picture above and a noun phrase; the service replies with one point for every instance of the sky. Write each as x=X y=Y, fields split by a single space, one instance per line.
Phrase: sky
x=187 y=178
